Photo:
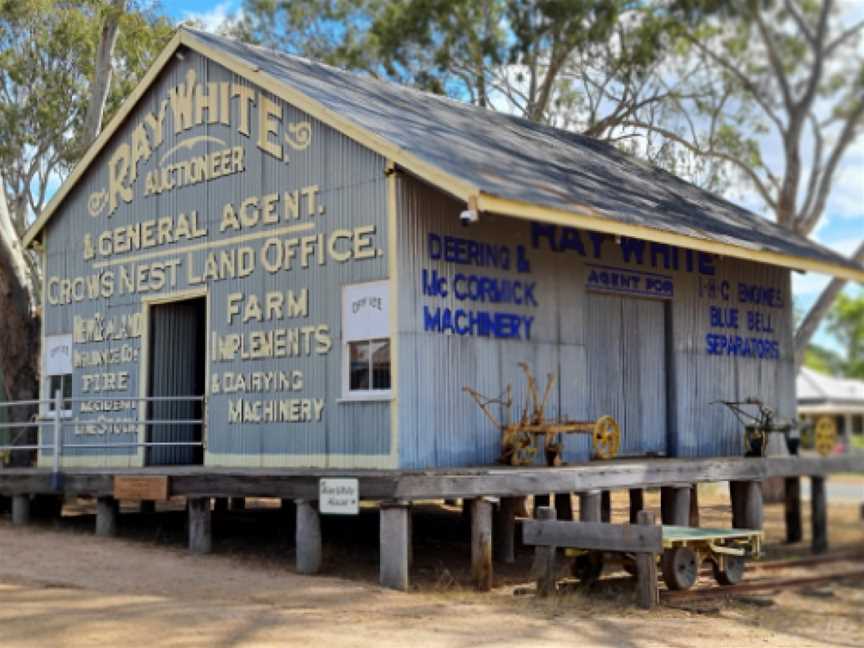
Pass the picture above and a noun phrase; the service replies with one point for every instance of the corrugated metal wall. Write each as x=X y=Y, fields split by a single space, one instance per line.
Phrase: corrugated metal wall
x=438 y=425
x=352 y=189
x=643 y=360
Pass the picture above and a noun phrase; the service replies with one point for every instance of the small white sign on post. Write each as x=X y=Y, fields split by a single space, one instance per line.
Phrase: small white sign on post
x=339 y=496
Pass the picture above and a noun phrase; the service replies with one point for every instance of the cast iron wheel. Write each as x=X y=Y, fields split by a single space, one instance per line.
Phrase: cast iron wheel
x=680 y=568
x=587 y=567
x=733 y=573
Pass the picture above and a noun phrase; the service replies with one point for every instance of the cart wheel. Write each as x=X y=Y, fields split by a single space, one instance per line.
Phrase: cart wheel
x=825 y=437
x=587 y=567
x=680 y=568
x=733 y=573
x=606 y=437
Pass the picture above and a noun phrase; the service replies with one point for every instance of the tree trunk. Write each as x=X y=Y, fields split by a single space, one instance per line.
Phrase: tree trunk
x=102 y=72
x=19 y=330
x=819 y=310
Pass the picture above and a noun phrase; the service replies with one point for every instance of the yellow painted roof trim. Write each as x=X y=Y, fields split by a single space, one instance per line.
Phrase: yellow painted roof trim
x=581 y=216
x=588 y=218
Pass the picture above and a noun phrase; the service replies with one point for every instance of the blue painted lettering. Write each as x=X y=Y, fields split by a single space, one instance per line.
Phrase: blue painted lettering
x=760 y=295
x=477 y=323
x=433 y=285
x=742 y=347
x=759 y=322
x=723 y=317
x=633 y=250
x=492 y=290
x=463 y=251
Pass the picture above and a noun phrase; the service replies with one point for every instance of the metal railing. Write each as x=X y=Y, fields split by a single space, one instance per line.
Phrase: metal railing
x=60 y=420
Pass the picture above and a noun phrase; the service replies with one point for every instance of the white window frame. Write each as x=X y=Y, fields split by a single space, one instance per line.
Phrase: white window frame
x=382 y=333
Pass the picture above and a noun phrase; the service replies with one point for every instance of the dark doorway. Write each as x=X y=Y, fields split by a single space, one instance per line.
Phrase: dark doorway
x=178 y=351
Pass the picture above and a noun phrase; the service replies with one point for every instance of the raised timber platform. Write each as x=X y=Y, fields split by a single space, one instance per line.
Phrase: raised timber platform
x=397 y=485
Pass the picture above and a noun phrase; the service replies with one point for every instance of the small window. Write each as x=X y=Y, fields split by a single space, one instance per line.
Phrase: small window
x=365 y=331
x=369 y=366
x=63 y=383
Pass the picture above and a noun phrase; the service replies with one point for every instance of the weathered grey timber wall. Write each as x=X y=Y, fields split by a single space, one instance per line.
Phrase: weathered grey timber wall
x=93 y=285
x=633 y=329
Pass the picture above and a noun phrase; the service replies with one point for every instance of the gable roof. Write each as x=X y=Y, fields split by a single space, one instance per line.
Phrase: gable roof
x=501 y=163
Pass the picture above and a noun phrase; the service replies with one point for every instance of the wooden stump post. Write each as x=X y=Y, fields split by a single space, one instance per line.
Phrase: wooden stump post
x=544 y=568
x=504 y=535
x=819 y=514
x=606 y=506
x=590 y=506
x=681 y=506
x=199 y=525
x=563 y=506
x=694 y=506
x=147 y=507
x=106 y=517
x=753 y=505
x=395 y=545
x=308 y=538
x=647 y=593
x=792 y=488
x=637 y=503
x=481 y=543
x=20 y=510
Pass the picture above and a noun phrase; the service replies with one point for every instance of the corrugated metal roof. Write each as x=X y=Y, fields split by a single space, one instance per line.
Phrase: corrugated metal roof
x=814 y=387
x=503 y=156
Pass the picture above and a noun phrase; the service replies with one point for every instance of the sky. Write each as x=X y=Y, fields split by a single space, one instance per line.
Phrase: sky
x=841 y=229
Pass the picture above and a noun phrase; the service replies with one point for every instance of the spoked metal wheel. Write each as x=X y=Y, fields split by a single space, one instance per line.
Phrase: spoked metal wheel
x=732 y=571
x=680 y=567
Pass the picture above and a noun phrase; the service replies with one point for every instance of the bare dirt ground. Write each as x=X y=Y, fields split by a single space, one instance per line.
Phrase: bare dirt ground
x=60 y=586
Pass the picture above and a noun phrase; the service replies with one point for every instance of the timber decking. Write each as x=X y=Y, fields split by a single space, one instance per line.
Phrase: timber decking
x=205 y=481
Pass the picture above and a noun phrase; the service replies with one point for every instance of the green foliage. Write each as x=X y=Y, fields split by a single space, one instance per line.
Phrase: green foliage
x=846 y=323
x=490 y=52
x=823 y=360
x=47 y=58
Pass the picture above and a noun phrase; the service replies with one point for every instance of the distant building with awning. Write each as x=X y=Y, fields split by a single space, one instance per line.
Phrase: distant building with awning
x=841 y=398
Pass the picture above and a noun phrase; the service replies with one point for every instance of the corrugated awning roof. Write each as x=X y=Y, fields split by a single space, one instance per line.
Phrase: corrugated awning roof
x=814 y=387
x=507 y=164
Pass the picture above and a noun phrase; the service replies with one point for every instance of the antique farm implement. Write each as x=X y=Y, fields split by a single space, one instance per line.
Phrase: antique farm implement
x=760 y=421
x=518 y=438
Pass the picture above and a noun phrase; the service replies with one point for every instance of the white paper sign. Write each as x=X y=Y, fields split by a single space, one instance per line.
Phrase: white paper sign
x=339 y=496
x=58 y=355
x=365 y=311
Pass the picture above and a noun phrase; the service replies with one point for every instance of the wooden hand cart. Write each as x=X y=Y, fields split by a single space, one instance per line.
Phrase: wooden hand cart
x=685 y=550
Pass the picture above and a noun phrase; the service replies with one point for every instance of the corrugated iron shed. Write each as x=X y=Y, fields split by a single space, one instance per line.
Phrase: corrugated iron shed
x=507 y=164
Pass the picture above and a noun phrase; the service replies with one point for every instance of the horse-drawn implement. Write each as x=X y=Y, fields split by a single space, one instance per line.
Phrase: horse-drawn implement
x=518 y=438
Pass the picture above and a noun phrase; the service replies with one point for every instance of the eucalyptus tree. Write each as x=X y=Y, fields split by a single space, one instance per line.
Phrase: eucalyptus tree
x=56 y=86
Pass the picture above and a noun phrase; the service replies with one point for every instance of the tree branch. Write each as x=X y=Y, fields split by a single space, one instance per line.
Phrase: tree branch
x=820 y=308
x=693 y=148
